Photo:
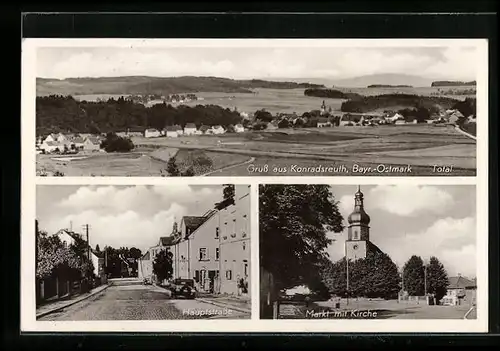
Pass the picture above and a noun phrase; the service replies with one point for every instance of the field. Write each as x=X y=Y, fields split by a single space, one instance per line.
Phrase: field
x=280 y=100
x=369 y=151
x=412 y=150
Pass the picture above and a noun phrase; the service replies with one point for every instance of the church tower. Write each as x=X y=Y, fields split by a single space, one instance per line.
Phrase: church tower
x=358 y=231
x=323 y=108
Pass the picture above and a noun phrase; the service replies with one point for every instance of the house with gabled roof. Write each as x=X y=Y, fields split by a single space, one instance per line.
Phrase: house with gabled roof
x=179 y=129
x=152 y=133
x=239 y=128
x=190 y=129
x=460 y=291
x=92 y=144
x=323 y=122
x=170 y=132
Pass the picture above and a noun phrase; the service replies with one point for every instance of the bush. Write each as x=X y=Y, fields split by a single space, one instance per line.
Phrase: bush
x=114 y=143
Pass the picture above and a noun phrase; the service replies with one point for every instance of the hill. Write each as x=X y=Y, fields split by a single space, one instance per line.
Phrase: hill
x=448 y=83
x=384 y=79
x=156 y=85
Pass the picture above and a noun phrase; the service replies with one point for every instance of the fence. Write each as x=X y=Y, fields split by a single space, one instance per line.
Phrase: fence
x=54 y=288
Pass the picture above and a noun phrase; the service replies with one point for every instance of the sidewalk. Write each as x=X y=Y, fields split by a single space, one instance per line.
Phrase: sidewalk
x=66 y=302
x=237 y=303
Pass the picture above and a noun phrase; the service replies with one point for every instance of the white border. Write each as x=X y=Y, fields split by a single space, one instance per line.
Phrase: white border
x=29 y=181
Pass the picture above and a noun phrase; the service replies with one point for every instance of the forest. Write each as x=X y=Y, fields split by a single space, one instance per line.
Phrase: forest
x=371 y=103
x=64 y=114
x=330 y=93
x=448 y=83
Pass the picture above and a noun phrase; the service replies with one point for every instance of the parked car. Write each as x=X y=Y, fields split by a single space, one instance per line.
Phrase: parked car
x=182 y=287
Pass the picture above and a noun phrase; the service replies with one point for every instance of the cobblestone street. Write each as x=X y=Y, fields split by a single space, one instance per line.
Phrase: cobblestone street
x=136 y=302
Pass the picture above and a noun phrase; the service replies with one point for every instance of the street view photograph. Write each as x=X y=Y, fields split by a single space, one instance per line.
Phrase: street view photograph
x=254 y=110
x=142 y=252
x=368 y=252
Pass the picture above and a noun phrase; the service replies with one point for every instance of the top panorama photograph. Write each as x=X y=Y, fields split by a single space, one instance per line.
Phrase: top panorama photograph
x=256 y=111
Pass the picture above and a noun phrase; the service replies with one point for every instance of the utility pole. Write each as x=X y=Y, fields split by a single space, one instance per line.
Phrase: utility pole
x=86 y=227
x=425 y=278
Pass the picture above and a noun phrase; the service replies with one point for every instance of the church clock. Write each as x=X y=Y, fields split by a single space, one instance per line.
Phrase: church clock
x=358 y=231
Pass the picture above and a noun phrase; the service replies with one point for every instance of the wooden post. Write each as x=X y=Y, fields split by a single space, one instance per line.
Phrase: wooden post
x=68 y=287
x=57 y=286
x=42 y=289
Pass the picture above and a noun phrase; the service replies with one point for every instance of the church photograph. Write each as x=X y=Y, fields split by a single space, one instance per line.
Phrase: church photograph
x=367 y=251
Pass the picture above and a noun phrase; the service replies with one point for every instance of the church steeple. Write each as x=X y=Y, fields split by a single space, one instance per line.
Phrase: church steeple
x=358 y=219
x=175 y=229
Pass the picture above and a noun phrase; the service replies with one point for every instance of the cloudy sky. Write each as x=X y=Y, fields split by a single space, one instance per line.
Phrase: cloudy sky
x=422 y=220
x=257 y=62
x=122 y=215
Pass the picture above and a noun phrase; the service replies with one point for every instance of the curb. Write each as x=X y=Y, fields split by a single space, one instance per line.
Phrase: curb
x=469 y=311
x=71 y=303
x=218 y=304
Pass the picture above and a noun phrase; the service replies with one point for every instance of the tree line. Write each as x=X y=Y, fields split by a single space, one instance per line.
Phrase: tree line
x=64 y=114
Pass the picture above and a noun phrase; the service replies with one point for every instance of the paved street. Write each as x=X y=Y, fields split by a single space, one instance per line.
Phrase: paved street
x=129 y=300
x=392 y=309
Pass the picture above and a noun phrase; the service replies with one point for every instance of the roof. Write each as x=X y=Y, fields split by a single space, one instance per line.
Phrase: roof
x=190 y=125
x=72 y=234
x=52 y=143
x=146 y=256
x=78 y=140
x=323 y=120
x=170 y=129
x=204 y=128
x=93 y=140
x=167 y=240
x=98 y=254
x=460 y=282
x=216 y=127
x=151 y=130
x=193 y=222
x=239 y=125
x=351 y=117
x=177 y=127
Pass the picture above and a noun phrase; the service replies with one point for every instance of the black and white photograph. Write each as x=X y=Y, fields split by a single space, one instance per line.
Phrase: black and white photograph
x=257 y=108
x=142 y=252
x=369 y=252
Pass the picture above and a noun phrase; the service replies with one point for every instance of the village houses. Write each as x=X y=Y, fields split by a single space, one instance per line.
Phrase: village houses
x=212 y=249
x=239 y=128
x=152 y=133
x=190 y=129
x=170 y=132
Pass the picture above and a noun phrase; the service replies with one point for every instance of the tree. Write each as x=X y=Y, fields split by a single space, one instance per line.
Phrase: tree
x=263 y=115
x=375 y=276
x=299 y=123
x=114 y=143
x=172 y=168
x=294 y=220
x=437 y=278
x=283 y=123
x=163 y=265
x=414 y=276
x=188 y=172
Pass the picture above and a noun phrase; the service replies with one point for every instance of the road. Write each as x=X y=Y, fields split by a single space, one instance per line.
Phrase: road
x=130 y=300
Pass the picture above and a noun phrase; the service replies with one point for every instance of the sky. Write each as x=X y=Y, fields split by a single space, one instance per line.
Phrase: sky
x=457 y=63
x=411 y=220
x=131 y=216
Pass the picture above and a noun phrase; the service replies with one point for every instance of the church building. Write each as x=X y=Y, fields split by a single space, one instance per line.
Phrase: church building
x=358 y=242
